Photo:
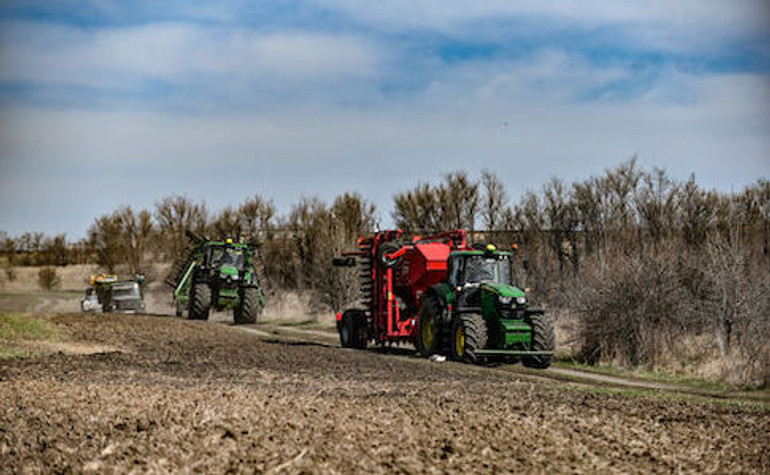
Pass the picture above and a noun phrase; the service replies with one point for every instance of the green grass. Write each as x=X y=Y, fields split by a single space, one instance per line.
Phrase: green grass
x=26 y=327
x=699 y=384
x=16 y=329
x=675 y=396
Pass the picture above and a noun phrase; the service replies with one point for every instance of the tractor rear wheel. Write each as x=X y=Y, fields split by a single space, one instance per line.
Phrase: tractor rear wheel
x=469 y=334
x=353 y=331
x=429 y=327
x=543 y=339
x=200 y=301
x=247 y=310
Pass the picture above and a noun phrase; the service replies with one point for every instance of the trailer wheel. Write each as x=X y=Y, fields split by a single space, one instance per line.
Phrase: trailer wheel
x=429 y=327
x=543 y=339
x=200 y=301
x=469 y=334
x=353 y=332
x=247 y=310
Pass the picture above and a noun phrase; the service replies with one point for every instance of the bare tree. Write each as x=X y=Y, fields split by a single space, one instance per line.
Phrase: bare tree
x=122 y=239
x=257 y=217
x=226 y=224
x=174 y=215
x=494 y=202
x=417 y=210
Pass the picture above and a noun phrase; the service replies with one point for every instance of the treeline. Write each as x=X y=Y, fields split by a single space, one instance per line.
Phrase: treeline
x=297 y=248
x=647 y=268
x=650 y=269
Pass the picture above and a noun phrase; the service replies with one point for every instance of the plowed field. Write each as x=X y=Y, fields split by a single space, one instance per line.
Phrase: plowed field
x=164 y=394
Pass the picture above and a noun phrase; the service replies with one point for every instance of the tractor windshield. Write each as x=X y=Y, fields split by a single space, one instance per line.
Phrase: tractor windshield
x=125 y=291
x=226 y=256
x=487 y=269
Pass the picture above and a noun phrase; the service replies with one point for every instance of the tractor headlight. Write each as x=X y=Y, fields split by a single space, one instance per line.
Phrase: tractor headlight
x=521 y=300
x=505 y=300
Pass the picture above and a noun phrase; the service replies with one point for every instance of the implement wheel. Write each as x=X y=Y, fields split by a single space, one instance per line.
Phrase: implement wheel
x=469 y=334
x=543 y=339
x=353 y=331
x=429 y=327
x=200 y=301
x=247 y=310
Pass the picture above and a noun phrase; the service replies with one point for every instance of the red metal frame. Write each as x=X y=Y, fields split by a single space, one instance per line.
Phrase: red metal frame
x=420 y=264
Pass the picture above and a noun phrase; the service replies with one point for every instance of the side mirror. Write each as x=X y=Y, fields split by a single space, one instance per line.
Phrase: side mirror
x=525 y=264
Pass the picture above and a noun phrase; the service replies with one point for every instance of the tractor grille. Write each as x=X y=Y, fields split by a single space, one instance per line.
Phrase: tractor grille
x=505 y=310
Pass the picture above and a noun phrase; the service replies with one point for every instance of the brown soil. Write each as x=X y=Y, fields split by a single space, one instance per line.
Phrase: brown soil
x=171 y=395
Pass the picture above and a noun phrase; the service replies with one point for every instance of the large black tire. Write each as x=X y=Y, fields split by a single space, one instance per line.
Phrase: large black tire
x=469 y=334
x=353 y=330
x=543 y=339
x=247 y=310
x=429 y=335
x=200 y=302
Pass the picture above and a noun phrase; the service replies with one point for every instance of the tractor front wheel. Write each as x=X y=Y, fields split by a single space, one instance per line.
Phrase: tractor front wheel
x=429 y=327
x=200 y=301
x=247 y=310
x=543 y=339
x=353 y=332
x=469 y=334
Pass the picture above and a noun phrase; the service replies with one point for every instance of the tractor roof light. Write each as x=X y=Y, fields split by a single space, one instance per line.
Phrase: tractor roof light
x=491 y=248
x=229 y=240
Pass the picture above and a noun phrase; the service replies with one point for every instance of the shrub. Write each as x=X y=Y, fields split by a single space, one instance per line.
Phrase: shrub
x=48 y=279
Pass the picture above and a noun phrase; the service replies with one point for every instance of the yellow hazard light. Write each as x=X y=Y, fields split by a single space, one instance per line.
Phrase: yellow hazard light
x=229 y=241
x=491 y=248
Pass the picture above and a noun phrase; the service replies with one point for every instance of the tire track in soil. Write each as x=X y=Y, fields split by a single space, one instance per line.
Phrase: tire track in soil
x=568 y=375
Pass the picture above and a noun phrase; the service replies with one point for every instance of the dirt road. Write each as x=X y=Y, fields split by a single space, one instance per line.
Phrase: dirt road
x=163 y=394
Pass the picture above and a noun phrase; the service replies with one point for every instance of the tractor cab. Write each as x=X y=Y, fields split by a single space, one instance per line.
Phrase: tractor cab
x=225 y=256
x=474 y=274
x=472 y=268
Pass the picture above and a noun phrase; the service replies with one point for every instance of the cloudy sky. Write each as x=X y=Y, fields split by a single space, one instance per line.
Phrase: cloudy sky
x=104 y=102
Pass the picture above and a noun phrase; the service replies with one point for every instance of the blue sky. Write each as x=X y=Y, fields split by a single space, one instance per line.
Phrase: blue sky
x=104 y=103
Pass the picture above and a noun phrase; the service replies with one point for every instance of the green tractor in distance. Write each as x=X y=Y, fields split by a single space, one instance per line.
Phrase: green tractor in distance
x=220 y=275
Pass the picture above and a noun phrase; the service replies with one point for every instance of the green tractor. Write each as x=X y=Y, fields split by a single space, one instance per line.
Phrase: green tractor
x=478 y=313
x=444 y=296
x=220 y=275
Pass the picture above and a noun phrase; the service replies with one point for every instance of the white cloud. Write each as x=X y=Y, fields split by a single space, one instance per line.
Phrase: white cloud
x=682 y=25
x=123 y=57
x=543 y=77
